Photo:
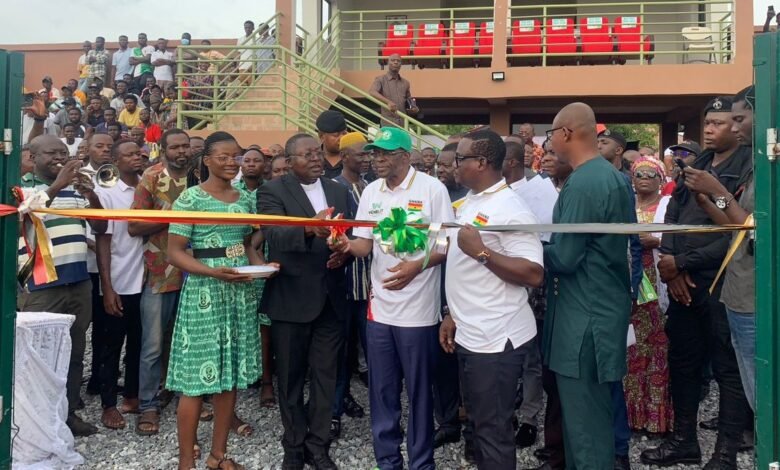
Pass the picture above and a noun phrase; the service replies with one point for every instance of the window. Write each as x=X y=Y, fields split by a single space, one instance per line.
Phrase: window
x=326 y=11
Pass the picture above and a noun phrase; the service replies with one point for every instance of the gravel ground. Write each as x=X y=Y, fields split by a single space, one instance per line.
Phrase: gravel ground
x=124 y=449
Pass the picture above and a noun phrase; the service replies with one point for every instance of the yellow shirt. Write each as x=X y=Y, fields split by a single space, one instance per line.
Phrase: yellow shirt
x=130 y=119
x=81 y=97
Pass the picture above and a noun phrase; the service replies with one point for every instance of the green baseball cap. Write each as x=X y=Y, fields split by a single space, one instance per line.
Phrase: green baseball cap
x=391 y=138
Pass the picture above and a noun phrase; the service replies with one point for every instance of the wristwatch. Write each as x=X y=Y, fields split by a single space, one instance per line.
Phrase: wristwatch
x=483 y=257
x=723 y=202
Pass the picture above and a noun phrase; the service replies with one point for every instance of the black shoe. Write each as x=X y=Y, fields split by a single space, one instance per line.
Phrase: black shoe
x=526 y=436
x=469 y=453
x=351 y=407
x=79 y=427
x=673 y=451
x=710 y=424
x=443 y=436
x=622 y=463
x=725 y=455
x=542 y=453
x=363 y=378
x=293 y=460
x=320 y=461
x=335 y=428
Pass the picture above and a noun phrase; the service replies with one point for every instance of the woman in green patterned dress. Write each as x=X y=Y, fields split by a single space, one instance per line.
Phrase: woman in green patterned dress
x=216 y=345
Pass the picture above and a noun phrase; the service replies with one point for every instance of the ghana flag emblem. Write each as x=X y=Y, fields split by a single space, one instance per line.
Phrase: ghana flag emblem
x=480 y=220
x=414 y=206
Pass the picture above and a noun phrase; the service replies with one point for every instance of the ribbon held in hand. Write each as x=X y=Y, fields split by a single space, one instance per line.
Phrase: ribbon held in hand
x=396 y=237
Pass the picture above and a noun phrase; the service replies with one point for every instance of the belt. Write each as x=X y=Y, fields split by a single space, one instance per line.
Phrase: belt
x=233 y=251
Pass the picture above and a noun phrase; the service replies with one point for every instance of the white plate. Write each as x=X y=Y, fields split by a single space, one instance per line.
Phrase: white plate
x=258 y=271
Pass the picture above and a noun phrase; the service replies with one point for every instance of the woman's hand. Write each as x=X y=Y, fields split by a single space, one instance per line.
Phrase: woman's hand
x=230 y=275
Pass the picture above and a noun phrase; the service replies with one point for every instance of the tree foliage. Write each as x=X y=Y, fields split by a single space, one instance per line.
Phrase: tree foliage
x=647 y=134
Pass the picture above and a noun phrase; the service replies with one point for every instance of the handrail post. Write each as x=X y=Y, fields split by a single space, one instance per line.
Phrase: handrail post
x=179 y=80
x=360 y=29
x=450 y=38
x=641 y=33
x=544 y=36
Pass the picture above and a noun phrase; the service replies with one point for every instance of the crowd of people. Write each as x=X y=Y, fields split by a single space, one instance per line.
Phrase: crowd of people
x=634 y=326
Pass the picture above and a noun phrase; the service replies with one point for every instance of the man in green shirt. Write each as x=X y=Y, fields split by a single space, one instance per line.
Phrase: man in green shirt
x=589 y=292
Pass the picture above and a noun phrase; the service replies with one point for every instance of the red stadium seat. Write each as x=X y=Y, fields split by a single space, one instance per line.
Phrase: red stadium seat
x=485 y=41
x=431 y=41
x=560 y=38
x=464 y=42
x=628 y=36
x=398 y=41
x=526 y=38
x=596 y=38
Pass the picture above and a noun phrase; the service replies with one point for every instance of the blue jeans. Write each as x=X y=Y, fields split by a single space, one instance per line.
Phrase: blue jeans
x=158 y=312
x=620 y=415
x=356 y=317
x=743 y=337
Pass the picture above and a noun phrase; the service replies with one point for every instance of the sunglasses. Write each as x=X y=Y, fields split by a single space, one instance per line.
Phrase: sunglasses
x=650 y=174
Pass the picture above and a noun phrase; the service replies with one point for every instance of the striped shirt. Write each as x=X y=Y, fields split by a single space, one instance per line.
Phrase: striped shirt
x=67 y=236
x=359 y=270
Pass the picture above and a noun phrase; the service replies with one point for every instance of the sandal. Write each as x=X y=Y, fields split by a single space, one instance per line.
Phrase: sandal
x=206 y=413
x=267 y=400
x=241 y=428
x=196 y=451
x=224 y=460
x=113 y=419
x=148 y=423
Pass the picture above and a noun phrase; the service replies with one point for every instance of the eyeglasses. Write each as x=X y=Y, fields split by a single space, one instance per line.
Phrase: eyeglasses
x=223 y=159
x=317 y=155
x=650 y=174
x=459 y=158
x=550 y=132
x=382 y=154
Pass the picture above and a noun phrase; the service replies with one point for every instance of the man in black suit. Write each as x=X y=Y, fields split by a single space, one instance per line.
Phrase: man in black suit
x=306 y=301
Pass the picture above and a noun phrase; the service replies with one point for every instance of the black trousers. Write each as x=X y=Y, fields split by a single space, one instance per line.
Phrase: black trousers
x=446 y=391
x=115 y=330
x=697 y=333
x=489 y=382
x=553 y=421
x=299 y=347
x=98 y=340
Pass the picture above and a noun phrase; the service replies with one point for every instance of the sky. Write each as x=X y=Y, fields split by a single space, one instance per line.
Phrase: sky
x=86 y=19
x=201 y=18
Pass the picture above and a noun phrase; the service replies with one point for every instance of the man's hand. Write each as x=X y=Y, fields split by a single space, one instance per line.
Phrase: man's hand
x=393 y=108
x=37 y=109
x=404 y=272
x=703 y=182
x=340 y=244
x=679 y=288
x=648 y=241
x=68 y=172
x=336 y=260
x=470 y=241
x=667 y=268
x=230 y=275
x=112 y=303
x=317 y=231
x=447 y=334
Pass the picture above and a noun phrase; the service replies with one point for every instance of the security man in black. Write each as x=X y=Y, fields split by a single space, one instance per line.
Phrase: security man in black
x=697 y=325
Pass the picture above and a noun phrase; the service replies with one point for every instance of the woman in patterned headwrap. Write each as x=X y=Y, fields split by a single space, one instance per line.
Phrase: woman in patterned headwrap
x=647 y=382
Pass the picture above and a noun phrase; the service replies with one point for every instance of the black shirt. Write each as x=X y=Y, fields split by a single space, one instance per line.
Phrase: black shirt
x=332 y=171
x=701 y=254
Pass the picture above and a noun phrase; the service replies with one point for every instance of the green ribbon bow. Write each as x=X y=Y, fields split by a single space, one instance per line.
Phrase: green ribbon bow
x=405 y=239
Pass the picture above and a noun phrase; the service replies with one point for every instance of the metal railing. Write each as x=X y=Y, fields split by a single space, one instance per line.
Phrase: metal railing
x=279 y=83
x=442 y=37
x=437 y=34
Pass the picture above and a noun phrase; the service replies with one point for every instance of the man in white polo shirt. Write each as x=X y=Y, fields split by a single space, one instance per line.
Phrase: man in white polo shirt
x=490 y=319
x=404 y=308
x=121 y=264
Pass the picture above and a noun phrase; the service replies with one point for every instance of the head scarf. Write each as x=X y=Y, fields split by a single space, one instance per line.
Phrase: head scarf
x=651 y=163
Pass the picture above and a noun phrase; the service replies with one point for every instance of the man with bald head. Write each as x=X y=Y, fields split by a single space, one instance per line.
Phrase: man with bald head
x=58 y=177
x=588 y=276
x=393 y=90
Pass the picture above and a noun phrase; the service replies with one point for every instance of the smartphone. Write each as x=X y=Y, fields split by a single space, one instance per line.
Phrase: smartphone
x=681 y=163
x=28 y=100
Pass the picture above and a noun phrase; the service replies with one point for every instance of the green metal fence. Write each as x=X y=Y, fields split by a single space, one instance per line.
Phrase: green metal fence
x=11 y=83
x=767 y=244
x=673 y=31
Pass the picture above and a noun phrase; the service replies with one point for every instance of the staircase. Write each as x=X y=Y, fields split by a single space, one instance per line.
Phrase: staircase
x=262 y=86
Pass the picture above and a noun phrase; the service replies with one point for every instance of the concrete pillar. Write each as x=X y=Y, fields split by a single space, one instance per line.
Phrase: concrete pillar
x=285 y=26
x=500 y=14
x=668 y=135
x=694 y=129
x=500 y=119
